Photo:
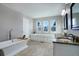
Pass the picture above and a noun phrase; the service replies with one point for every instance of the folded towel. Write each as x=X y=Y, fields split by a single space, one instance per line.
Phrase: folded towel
x=1 y=53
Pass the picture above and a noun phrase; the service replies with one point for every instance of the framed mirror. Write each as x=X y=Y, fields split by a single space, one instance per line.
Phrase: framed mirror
x=74 y=11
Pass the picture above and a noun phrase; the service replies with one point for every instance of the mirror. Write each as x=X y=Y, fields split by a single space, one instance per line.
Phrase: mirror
x=74 y=16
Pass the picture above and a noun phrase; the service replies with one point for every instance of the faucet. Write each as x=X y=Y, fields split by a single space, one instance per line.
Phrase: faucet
x=10 y=35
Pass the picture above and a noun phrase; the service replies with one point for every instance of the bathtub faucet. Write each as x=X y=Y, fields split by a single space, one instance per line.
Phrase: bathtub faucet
x=10 y=35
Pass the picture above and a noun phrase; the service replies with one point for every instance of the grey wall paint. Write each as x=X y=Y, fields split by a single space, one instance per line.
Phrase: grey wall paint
x=10 y=19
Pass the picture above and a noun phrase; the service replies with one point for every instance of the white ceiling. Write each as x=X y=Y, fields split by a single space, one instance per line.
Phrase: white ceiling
x=35 y=10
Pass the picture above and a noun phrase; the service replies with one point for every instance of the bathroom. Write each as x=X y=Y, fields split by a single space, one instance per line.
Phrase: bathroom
x=30 y=26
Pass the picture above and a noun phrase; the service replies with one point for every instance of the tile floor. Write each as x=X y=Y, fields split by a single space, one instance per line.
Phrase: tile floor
x=37 y=49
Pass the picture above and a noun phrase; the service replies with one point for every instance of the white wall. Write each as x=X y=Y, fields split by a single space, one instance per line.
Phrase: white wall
x=27 y=26
x=10 y=19
x=60 y=24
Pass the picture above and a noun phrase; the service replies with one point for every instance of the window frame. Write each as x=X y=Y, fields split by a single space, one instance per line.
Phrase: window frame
x=42 y=28
x=50 y=25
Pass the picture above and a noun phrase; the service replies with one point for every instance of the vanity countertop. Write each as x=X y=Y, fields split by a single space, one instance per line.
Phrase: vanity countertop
x=65 y=41
x=68 y=43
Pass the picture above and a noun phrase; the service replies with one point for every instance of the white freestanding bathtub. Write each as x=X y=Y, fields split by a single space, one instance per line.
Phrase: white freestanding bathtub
x=12 y=47
x=43 y=37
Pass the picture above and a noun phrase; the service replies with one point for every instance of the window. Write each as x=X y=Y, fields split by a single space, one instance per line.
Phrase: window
x=45 y=26
x=38 y=26
x=53 y=25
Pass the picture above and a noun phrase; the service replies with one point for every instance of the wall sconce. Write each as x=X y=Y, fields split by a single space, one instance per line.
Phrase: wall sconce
x=63 y=13
x=65 y=10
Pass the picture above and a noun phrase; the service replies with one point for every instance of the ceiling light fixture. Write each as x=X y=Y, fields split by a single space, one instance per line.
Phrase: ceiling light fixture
x=63 y=12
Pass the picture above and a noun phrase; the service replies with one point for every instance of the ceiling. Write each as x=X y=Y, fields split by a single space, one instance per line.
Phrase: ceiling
x=35 y=10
